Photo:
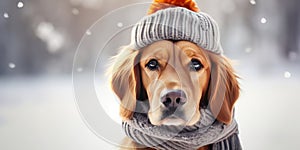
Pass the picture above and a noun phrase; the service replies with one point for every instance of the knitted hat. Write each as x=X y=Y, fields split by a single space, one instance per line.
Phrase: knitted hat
x=177 y=20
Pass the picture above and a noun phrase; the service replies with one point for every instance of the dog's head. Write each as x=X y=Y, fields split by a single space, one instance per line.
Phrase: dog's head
x=176 y=79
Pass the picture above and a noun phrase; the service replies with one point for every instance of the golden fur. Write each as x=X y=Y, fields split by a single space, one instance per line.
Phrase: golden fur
x=214 y=86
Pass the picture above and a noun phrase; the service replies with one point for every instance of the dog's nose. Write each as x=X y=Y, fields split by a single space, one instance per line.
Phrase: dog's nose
x=173 y=99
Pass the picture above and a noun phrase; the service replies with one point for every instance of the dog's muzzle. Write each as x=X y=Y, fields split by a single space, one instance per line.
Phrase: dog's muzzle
x=172 y=102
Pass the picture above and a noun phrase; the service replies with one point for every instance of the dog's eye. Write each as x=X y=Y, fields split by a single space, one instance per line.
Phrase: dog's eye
x=195 y=65
x=152 y=65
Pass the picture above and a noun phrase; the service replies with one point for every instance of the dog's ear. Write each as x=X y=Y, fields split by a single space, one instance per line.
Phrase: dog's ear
x=223 y=88
x=125 y=79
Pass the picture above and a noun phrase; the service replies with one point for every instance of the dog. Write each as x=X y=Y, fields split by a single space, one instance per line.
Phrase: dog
x=173 y=79
x=171 y=75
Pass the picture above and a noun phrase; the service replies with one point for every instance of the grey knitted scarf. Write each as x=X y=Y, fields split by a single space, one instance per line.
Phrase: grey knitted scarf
x=207 y=131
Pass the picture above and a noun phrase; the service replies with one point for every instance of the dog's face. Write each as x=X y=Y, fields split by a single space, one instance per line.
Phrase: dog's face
x=176 y=79
x=175 y=75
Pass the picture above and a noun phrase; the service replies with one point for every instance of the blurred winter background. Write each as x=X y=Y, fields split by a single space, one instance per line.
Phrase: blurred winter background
x=39 y=38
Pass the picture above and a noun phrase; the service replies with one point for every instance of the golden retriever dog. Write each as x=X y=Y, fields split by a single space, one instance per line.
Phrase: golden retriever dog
x=174 y=75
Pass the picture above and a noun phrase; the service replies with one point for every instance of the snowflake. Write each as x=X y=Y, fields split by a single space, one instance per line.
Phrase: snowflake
x=5 y=15
x=253 y=2
x=12 y=65
x=263 y=20
x=20 y=4
x=88 y=32
x=52 y=37
x=120 y=24
x=287 y=74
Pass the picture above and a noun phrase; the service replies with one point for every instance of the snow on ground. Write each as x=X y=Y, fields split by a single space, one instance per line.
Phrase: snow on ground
x=40 y=113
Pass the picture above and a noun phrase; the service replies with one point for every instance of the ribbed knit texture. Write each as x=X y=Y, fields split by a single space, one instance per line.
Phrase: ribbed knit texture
x=177 y=23
x=207 y=131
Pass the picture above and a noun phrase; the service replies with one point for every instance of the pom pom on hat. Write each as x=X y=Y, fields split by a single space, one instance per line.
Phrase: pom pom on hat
x=177 y=20
x=163 y=4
